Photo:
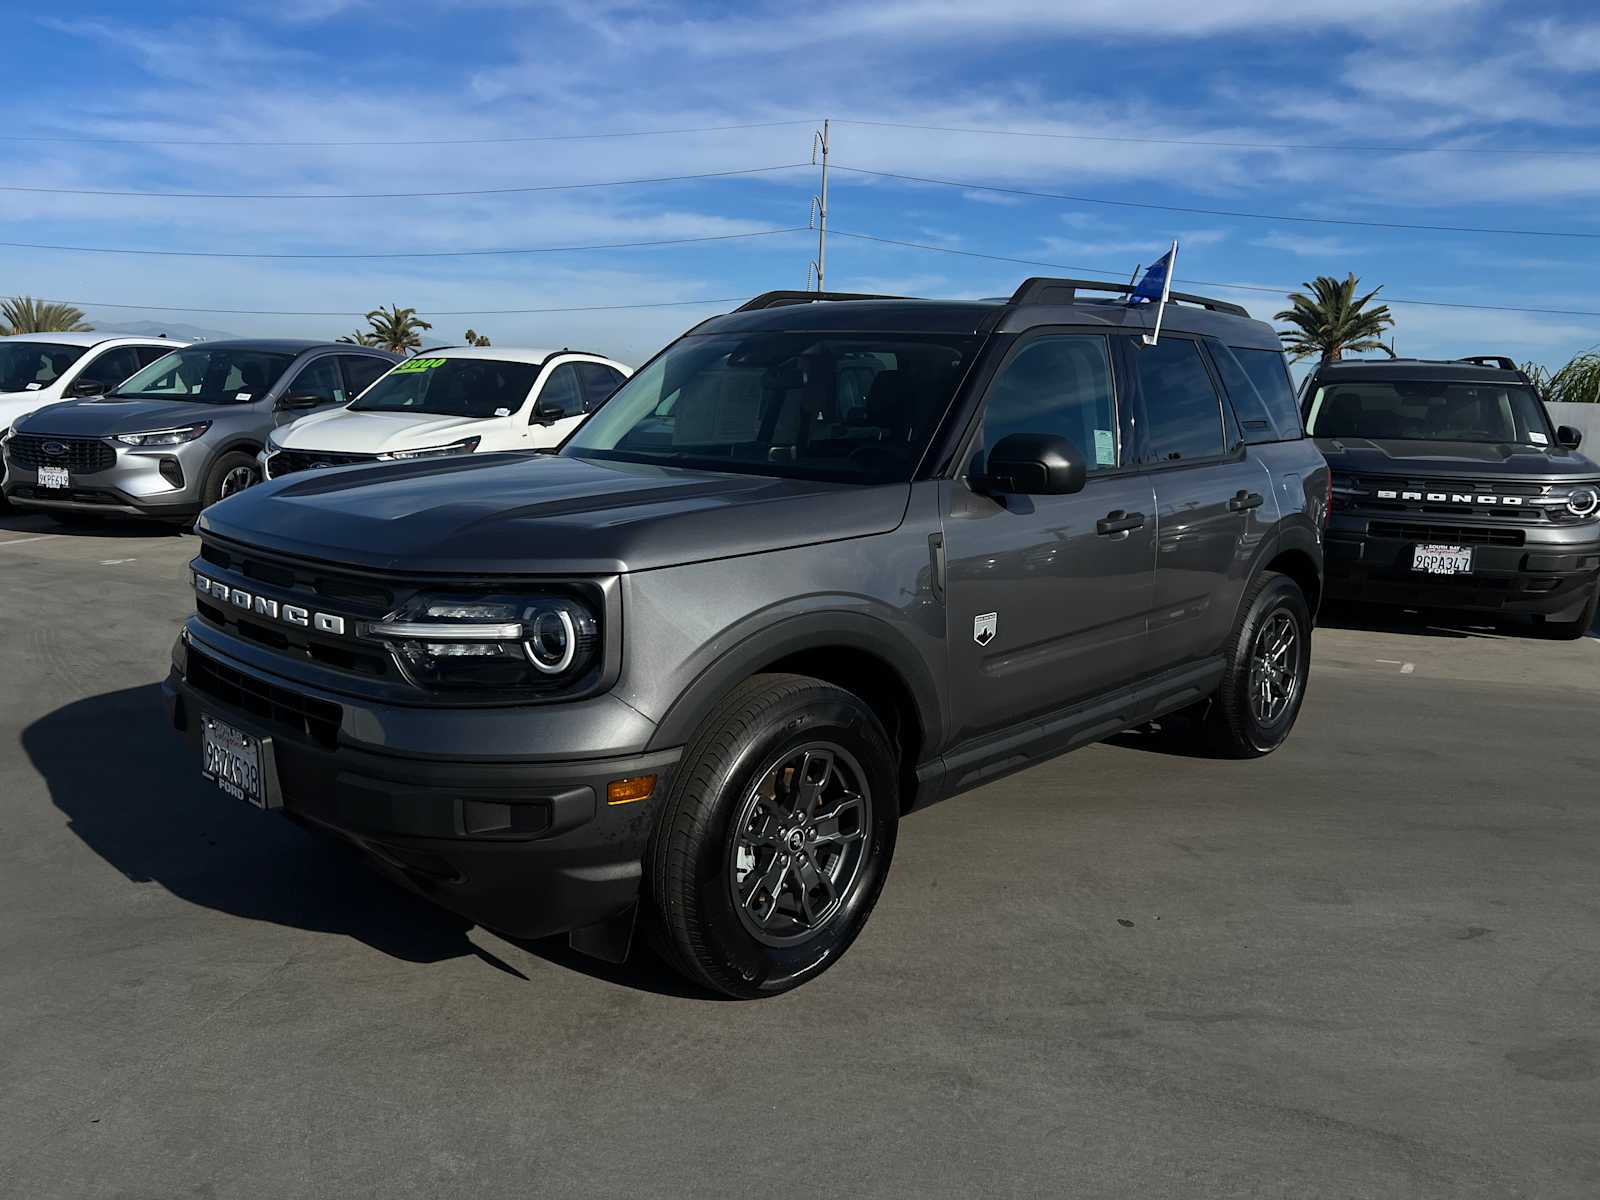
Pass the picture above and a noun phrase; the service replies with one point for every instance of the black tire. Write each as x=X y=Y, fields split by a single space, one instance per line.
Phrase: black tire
x=1567 y=631
x=692 y=862
x=1235 y=727
x=217 y=478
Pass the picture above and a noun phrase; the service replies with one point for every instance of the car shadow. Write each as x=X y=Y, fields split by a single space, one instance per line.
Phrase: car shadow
x=26 y=521
x=131 y=790
x=1374 y=618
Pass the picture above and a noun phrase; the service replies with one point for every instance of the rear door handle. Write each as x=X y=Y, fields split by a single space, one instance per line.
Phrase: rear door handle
x=1116 y=521
x=1244 y=501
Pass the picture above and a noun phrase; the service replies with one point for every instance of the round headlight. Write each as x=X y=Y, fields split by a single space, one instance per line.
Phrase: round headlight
x=551 y=640
x=1583 y=501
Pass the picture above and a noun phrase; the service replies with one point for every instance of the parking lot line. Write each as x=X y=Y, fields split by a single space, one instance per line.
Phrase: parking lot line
x=43 y=537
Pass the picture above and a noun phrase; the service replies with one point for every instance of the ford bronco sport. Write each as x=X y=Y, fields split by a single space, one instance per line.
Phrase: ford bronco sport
x=1452 y=489
x=822 y=562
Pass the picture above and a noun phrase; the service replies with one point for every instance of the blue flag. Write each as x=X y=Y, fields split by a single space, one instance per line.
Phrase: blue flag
x=1154 y=284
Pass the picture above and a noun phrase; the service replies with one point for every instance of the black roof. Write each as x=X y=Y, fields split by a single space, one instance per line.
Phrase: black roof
x=1483 y=369
x=1036 y=302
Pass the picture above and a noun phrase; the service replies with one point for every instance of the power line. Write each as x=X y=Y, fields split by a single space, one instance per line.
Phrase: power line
x=717 y=237
x=1240 y=287
x=432 y=312
x=1217 y=212
x=1498 y=152
x=498 y=191
x=454 y=141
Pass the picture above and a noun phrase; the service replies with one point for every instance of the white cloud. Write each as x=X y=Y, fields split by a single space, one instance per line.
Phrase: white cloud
x=1306 y=247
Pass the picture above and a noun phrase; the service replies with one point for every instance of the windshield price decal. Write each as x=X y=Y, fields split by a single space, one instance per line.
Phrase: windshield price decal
x=419 y=364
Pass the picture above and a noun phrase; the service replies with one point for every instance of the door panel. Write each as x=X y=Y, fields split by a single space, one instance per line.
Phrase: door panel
x=1206 y=539
x=1047 y=596
x=1069 y=603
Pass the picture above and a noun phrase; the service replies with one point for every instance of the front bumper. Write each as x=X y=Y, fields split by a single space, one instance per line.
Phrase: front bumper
x=1552 y=572
x=528 y=847
x=159 y=482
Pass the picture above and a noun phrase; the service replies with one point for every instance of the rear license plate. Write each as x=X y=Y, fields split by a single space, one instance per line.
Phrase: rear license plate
x=53 y=477
x=231 y=759
x=1442 y=560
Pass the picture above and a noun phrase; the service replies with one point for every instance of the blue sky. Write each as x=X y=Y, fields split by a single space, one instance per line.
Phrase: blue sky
x=1473 y=75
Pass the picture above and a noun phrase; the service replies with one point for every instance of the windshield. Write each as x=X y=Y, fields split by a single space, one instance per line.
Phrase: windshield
x=1418 y=410
x=451 y=387
x=29 y=366
x=208 y=376
x=851 y=408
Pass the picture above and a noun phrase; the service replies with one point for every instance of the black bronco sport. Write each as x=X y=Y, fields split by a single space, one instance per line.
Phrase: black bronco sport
x=1452 y=489
x=815 y=566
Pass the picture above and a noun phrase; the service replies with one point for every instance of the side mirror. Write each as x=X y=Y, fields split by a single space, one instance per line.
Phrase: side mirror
x=548 y=412
x=301 y=400
x=88 y=387
x=1035 y=464
x=1569 y=437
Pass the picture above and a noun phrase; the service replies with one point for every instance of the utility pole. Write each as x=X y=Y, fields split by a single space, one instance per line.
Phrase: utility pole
x=819 y=203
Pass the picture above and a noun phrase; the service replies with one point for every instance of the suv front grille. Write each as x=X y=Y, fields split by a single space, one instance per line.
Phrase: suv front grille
x=286 y=462
x=1451 y=535
x=81 y=456
x=275 y=705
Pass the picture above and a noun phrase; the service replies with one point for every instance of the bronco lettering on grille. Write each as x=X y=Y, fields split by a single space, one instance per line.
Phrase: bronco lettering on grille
x=265 y=606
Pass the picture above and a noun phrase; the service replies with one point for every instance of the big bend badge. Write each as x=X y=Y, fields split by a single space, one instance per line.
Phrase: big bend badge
x=983 y=628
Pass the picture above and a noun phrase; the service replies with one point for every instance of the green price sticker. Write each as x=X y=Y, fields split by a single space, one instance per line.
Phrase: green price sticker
x=419 y=364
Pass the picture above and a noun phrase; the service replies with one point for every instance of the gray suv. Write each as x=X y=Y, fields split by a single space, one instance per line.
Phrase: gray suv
x=181 y=432
x=814 y=567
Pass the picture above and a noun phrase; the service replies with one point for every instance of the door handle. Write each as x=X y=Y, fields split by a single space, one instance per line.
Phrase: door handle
x=1116 y=521
x=1244 y=501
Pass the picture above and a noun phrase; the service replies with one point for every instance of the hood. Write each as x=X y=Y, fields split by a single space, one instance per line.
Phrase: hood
x=104 y=416
x=1455 y=460
x=537 y=514
x=348 y=432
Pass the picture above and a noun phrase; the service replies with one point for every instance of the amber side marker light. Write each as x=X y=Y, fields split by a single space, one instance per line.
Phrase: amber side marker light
x=628 y=791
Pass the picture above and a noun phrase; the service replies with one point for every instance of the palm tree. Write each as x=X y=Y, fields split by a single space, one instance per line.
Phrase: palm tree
x=1578 y=382
x=1333 y=320
x=24 y=314
x=358 y=338
x=397 y=329
x=474 y=338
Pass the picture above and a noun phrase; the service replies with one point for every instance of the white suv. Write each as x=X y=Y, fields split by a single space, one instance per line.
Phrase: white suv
x=455 y=400
x=37 y=369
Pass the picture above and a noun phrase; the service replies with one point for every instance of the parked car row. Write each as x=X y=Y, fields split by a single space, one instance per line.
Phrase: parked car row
x=820 y=563
x=153 y=428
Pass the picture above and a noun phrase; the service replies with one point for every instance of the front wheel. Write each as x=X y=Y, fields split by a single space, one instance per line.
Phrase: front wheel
x=1269 y=659
x=230 y=475
x=775 y=838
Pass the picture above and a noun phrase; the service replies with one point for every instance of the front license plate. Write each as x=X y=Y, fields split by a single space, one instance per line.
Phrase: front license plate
x=1442 y=560
x=231 y=759
x=53 y=477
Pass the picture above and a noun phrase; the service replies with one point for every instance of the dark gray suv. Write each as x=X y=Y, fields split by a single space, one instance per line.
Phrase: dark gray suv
x=817 y=565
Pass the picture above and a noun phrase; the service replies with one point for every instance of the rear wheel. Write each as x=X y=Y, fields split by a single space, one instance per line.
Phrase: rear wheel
x=229 y=475
x=776 y=837
x=1269 y=658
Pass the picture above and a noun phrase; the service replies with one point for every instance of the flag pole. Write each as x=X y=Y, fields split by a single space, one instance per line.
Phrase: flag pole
x=1166 y=290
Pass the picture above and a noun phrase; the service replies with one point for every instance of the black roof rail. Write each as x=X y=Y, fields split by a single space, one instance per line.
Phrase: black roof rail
x=1491 y=360
x=779 y=299
x=1043 y=290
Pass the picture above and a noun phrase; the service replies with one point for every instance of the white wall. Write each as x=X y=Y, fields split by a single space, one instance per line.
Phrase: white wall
x=1585 y=417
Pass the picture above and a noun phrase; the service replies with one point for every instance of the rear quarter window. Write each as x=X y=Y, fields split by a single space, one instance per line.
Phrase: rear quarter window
x=1270 y=374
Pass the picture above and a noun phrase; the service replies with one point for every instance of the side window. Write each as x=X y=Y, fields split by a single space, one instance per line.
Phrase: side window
x=320 y=378
x=1243 y=396
x=148 y=354
x=560 y=392
x=1182 y=417
x=1270 y=374
x=112 y=367
x=599 y=381
x=1057 y=385
x=360 y=370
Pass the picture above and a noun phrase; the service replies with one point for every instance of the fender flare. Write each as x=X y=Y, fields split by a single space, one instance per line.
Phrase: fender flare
x=759 y=647
x=1294 y=532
